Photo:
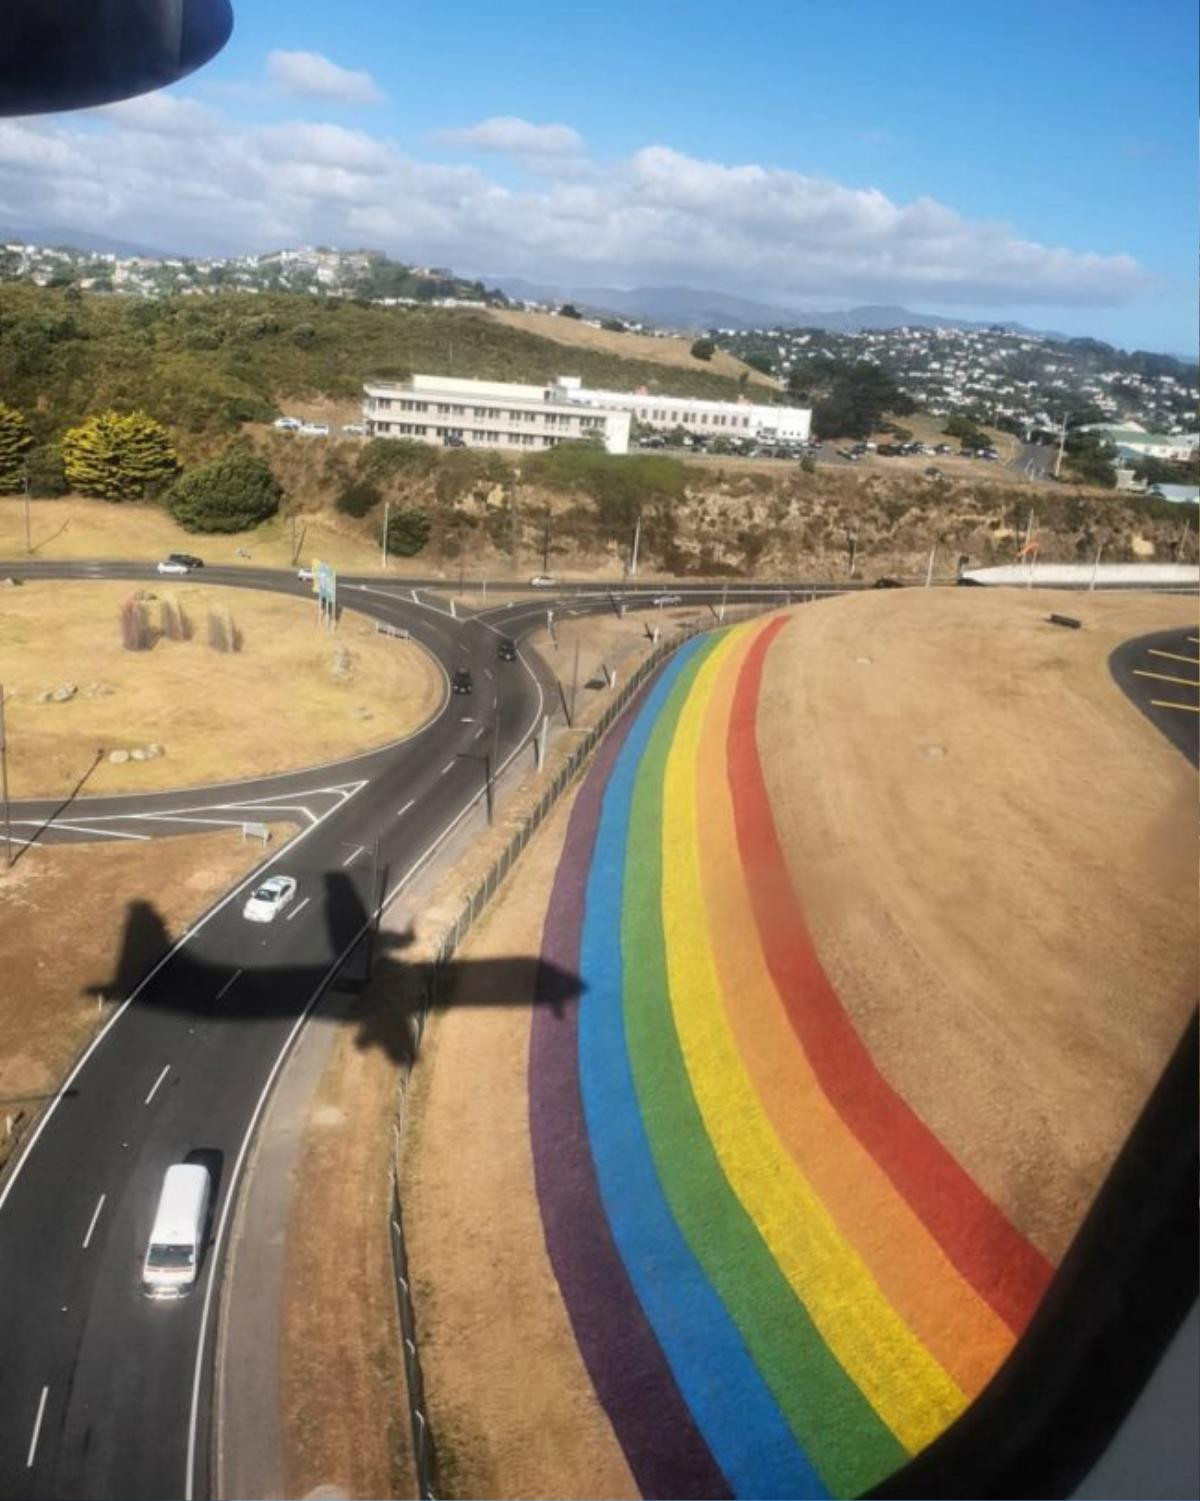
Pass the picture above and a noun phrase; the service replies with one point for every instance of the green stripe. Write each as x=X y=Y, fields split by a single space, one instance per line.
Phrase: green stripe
x=833 y=1422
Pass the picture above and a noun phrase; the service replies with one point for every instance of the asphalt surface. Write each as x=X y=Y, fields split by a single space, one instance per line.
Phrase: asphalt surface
x=1160 y=673
x=103 y=1392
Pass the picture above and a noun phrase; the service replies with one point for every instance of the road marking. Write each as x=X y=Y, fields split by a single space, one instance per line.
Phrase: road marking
x=37 y=1428
x=466 y=719
x=228 y=985
x=1164 y=703
x=487 y=672
x=298 y=910
x=95 y=1216
x=1140 y=672
x=353 y=856
x=479 y=732
x=449 y=766
x=1196 y=639
x=1173 y=655
x=402 y=811
x=79 y=828
x=167 y=1066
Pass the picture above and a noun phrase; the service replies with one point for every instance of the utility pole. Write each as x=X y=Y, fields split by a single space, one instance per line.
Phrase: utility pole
x=546 y=543
x=929 y=570
x=28 y=540
x=1095 y=568
x=4 y=782
x=387 y=509
x=637 y=537
x=493 y=766
x=575 y=680
x=1062 y=443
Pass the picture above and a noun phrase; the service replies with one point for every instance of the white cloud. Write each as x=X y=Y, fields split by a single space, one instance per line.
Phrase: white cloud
x=310 y=75
x=514 y=137
x=659 y=216
x=160 y=114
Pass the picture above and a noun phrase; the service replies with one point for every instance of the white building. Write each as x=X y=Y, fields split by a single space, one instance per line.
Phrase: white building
x=487 y=414
x=500 y=414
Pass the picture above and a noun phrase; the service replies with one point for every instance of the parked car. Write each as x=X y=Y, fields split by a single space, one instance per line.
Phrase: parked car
x=887 y=583
x=268 y=900
x=314 y=429
x=543 y=581
x=507 y=650
x=355 y=429
x=287 y=424
x=452 y=440
x=943 y=448
x=460 y=680
x=189 y=558
x=668 y=599
x=172 y=565
x=305 y=575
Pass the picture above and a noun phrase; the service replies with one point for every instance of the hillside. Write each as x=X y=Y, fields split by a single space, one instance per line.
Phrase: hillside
x=204 y=365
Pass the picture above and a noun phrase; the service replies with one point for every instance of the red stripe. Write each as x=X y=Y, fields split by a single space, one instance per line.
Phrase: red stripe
x=1002 y=1266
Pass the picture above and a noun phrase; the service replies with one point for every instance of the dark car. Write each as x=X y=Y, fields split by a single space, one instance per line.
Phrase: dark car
x=886 y=583
x=460 y=681
x=507 y=650
x=188 y=559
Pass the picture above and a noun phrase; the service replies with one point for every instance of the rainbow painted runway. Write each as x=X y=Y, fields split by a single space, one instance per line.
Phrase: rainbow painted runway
x=780 y=1281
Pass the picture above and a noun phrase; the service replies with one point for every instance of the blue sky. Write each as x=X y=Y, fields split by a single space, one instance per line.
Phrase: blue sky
x=1031 y=161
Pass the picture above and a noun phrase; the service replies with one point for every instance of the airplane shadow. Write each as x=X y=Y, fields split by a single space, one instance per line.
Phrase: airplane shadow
x=236 y=971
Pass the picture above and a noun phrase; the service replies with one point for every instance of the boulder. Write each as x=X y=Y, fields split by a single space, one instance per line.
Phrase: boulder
x=64 y=692
x=153 y=752
x=118 y=757
x=137 y=754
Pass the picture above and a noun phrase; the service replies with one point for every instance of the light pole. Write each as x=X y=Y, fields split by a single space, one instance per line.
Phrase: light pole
x=4 y=782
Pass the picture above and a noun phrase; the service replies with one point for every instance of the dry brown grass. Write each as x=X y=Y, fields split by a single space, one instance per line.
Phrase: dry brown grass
x=994 y=851
x=48 y=1006
x=574 y=333
x=274 y=705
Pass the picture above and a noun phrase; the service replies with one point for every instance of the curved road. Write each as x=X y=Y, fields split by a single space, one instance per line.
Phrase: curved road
x=102 y=1392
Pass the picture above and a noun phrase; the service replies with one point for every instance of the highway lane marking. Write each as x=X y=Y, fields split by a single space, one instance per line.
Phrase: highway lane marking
x=1174 y=656
x=1196 y=639
x=400 y=812
x=95 y=1216
x=1164 y=703
x=1140 y=672
x=487 y=672
x=479 y=732
x=297 y=911
x=167 y=1066
x=37 y=1428
x=351 y=858
x=449 y=766
x=228 y=985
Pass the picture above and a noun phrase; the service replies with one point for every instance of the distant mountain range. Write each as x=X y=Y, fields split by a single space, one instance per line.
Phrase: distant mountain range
x=692 y=309
x=58 y=236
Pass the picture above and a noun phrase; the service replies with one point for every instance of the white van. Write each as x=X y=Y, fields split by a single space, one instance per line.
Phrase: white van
x=177 y=1239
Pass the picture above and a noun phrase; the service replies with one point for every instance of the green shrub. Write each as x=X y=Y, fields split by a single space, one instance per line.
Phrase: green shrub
x=358 y=498
x=407 y=532
x=382 y=459
x=230 y=494
x=47 y=477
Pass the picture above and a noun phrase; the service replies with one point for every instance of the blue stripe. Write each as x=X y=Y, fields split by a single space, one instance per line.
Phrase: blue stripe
x=732 y=1405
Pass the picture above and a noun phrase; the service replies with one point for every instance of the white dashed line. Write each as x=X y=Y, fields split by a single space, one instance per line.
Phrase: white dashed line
x=479 y=732
x=95 y=1216
x=161 y=1077
x=37 y=1428
x=351 y=858
x=229 y=984
x=299 y=909
x=400 y=812
x=449 y=766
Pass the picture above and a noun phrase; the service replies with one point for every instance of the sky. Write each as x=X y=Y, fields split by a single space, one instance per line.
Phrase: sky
x=1011 y=159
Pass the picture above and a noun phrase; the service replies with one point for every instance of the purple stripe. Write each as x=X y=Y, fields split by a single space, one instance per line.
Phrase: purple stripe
x=631 y=1377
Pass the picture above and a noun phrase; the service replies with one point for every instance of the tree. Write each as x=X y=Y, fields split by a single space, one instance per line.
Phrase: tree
x=761 y=362
x=15 y=442
x=118 y=456
x=358 y=497
x=966 y=431
x=230 y=494
x=407 y=533
x=703 y=349
x=45 y=473
x=569 y=310
x=1091 y=460
x=858 y=397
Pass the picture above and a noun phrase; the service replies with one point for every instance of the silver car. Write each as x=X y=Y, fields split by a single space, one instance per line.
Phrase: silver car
x=269 y=899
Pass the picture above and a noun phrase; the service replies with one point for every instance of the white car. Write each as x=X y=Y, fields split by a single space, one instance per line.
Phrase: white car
x=269 y=899
x=287 y=424
x=314 y=429
x=355 y=429
x=305 y=575
x=668 y=599
x=171 y=565
x=543 y=581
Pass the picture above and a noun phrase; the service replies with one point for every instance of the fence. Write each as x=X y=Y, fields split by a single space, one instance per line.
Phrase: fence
x=470 y=912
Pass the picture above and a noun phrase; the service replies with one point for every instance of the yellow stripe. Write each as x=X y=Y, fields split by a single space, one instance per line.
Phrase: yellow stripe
x=1140 y=672
x=907 y=1387
x=1163 y=703
x=1173 y=655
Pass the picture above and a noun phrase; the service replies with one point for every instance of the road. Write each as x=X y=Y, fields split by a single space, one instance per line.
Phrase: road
x=1161 y=674
x=103 y=1393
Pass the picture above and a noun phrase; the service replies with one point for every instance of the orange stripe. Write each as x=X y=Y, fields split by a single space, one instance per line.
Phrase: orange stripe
x=962 y=1333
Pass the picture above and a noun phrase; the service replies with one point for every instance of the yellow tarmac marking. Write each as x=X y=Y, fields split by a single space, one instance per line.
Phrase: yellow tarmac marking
x=1165 y=703
x=1174 y=656
x=1140 y=672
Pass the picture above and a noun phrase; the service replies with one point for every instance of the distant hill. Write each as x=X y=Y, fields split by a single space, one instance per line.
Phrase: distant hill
x=59 y=236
